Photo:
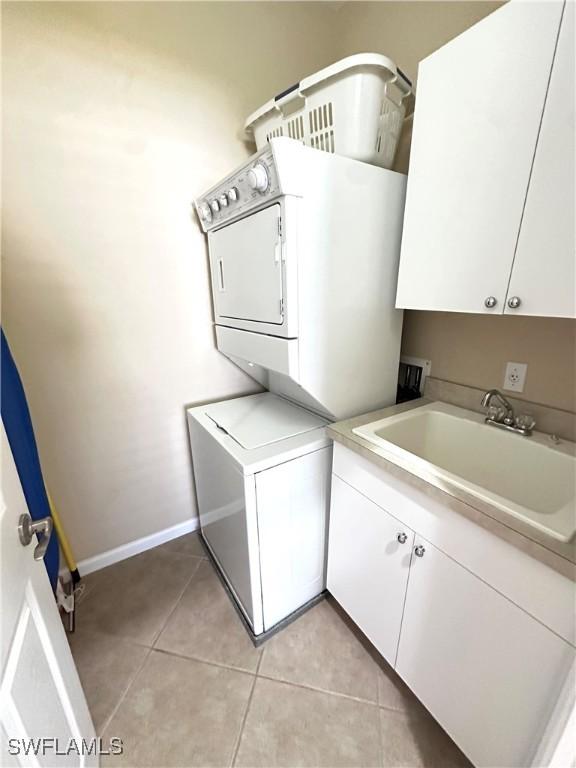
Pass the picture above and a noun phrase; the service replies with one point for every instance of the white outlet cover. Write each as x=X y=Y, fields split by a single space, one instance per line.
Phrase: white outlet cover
x=515 y=376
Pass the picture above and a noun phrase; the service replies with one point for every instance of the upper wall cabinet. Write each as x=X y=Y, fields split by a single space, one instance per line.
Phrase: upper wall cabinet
x=489 y=222
x=544 y=271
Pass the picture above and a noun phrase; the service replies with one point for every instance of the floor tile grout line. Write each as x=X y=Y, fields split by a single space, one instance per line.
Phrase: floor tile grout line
x=149 y=650
x=319 y=690
x=198 y=560
x=200 y=660
x=380 y=733
x=388 y=708
x=125 y=692
x=257 y=673
x=245 y=717
x=101 y=571
x=151 y=644
x=177 y=602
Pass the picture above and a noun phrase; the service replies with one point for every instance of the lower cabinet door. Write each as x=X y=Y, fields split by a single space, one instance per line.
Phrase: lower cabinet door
x=488 y=672
x=368 y=562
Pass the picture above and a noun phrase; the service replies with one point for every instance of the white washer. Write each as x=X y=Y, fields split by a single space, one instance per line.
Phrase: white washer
x=262 y=467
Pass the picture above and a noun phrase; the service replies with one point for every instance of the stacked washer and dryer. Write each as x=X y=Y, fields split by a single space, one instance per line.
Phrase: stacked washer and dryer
x=303 y=247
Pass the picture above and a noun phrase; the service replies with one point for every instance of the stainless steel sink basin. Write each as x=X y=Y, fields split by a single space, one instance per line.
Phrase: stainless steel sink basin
x=530 y=478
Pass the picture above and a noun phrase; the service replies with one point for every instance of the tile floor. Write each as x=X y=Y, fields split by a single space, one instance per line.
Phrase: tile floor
x=167 y=667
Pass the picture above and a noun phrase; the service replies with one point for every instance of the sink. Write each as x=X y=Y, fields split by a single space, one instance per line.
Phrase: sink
x=531 y=478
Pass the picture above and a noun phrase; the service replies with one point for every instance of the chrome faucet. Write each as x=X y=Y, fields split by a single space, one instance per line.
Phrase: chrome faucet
x=504 y=417
x=494 y=394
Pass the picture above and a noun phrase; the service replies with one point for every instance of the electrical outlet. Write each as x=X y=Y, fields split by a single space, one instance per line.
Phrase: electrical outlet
x=515 y=376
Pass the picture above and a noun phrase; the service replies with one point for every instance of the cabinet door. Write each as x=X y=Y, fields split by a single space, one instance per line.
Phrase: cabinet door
x=488 y=672
x=544 y=272
x=367 y=566
x=478 y=109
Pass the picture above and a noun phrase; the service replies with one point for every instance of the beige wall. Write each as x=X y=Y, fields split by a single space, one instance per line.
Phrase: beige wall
x=115 y=116
x=473 y=350
x=466 y=349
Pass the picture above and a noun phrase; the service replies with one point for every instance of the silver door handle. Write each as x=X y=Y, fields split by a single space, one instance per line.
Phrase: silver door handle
x=27 y=529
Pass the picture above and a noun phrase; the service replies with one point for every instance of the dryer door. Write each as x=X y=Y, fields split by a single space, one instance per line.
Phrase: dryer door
x=246 y=266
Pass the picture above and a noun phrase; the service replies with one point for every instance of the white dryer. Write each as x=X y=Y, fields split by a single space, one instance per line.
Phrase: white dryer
x=304 y=248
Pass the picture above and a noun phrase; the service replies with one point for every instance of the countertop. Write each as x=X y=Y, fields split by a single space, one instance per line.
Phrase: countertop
x=557 y=554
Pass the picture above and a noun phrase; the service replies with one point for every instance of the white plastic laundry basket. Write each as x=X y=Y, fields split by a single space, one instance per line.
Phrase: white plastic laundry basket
x=354 y=107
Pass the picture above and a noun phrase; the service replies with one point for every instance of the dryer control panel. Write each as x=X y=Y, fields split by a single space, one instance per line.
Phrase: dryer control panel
x=248 y=187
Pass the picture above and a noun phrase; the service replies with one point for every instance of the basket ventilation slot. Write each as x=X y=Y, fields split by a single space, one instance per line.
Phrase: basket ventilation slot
x=296 y=128
x=321 y=127
x=276 y=132
x=389 y=128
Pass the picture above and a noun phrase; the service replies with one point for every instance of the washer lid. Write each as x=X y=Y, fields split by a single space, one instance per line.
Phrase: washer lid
x=263 y=419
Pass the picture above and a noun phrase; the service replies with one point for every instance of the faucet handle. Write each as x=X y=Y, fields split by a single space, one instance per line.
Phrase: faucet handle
x=525 y=421
x=495 y=413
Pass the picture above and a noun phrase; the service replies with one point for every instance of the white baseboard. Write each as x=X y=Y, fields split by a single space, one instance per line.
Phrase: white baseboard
x=124 y=551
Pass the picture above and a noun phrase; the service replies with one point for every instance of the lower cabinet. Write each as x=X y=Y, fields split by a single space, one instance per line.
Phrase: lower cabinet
x=488 y=671
x=368 y=565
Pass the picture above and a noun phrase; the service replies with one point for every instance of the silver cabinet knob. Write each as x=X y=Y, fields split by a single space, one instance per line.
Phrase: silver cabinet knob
x=490 y=302
x=27 y=529
x=402 y=538
x=514 y=302
x=419 y=550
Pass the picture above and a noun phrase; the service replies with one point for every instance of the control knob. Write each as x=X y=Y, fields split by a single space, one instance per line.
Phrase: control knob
x=233 y=194
x=223 y=201
x=258 y=177
x=215 y=205
x=205 y=212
